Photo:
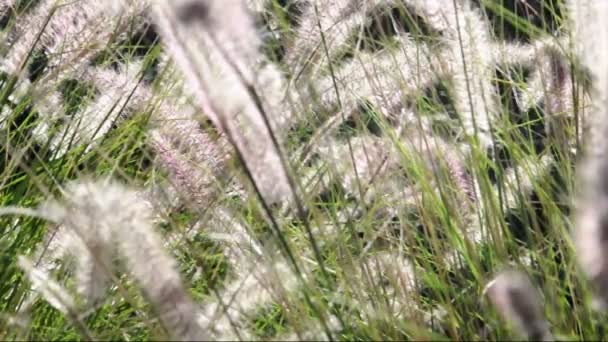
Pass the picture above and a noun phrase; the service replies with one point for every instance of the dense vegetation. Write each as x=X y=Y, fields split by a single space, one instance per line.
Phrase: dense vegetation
x=300 y=169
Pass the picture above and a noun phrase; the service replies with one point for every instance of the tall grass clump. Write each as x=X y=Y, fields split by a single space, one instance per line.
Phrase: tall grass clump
x=302 y=169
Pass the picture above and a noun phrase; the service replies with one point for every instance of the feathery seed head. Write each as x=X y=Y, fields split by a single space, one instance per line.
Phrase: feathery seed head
x=108 y=217
x=514 y=296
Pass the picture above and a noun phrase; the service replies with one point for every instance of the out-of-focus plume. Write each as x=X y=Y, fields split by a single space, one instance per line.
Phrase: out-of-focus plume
x=221 y=57
x=591 y=44
x=519 y=303
x=102 y=219
x=50 y=290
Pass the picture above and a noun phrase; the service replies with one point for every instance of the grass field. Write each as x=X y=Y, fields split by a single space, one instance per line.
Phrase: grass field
x=342 y=170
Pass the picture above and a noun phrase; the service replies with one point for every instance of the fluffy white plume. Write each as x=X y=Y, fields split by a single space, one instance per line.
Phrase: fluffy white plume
x=519 y=302
x=219 y=58
x=106 y=217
